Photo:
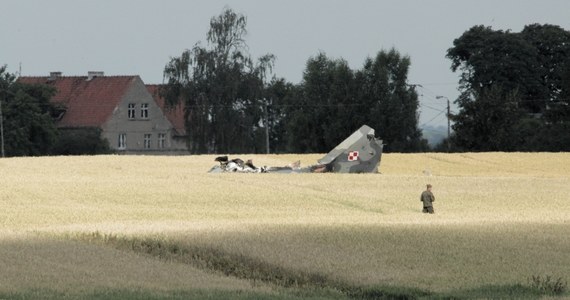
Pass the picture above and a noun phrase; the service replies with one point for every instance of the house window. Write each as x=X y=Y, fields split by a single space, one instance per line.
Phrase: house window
x=131 y=111
x=147 y=138
x=122 y=143
x=161 y=140
x=144 y=110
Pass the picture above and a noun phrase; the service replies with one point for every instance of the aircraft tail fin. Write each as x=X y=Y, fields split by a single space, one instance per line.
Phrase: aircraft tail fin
x=361 y=152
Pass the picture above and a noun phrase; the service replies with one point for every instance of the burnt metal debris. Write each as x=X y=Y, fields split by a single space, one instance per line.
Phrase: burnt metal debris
x=361 y=152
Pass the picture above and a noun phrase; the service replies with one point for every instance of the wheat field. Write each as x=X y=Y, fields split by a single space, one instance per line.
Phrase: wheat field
x=500 y=219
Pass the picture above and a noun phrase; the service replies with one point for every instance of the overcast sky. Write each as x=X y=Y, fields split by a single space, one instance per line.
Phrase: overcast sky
x=128 y=37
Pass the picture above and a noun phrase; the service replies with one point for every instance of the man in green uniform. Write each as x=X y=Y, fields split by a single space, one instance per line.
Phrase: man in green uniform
x=427 y=198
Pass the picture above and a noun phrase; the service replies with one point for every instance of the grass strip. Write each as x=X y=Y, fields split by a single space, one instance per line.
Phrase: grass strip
x=243 y=267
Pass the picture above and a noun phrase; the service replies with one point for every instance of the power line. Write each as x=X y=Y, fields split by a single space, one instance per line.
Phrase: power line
x=427 y=106
x=440 y=83
x=424 y=124
x=2 y=129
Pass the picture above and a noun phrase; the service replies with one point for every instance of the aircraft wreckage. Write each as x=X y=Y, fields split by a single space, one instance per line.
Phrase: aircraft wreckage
x=361 y=152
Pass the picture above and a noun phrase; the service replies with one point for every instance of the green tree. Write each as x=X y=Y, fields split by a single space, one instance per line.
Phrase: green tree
x=552 y=44
x=561 y=107
x=222 y=88
x=80 y=141
x=392 y=104
x=323 y=114
x=335 y=100
x=497 y=58
x=29 y=129
x=280 y=94
x=553 y=47
x=524 y=69
x=488 y=121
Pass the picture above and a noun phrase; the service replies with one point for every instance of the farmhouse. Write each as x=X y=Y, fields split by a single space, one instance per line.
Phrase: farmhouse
x=131 y=116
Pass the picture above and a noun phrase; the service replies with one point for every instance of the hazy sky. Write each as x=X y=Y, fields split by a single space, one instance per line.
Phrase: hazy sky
x=127 y=37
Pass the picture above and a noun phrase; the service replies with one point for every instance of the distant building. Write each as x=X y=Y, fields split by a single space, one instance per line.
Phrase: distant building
x=174 y=114
x=132 y=117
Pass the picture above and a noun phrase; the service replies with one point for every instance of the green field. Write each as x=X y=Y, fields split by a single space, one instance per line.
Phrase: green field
x=119 y=227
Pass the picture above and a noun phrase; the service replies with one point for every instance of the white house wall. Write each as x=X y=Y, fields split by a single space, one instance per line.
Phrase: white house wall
x=136 y=128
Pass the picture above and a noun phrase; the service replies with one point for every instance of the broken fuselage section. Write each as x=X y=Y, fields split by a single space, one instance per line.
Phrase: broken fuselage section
x=361 y=152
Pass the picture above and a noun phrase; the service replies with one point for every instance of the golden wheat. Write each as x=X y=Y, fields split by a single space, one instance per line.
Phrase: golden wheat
x=500 y=218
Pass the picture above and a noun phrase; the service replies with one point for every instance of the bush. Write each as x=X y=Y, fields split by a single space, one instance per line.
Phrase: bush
x=547 y=285
x=80 y=141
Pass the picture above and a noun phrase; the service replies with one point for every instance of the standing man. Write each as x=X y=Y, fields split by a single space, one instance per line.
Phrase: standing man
x=427 y=198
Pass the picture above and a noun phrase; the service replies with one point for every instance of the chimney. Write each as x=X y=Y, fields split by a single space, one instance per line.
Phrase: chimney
x=93 y=74
x=54 y=75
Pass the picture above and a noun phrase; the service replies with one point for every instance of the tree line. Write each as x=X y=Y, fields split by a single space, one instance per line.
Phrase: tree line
x=514 y=96
x=27 y=123
x=515 y=89
x=234 y=105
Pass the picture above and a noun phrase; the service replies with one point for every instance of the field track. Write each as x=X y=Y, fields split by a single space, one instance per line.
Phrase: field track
x=500 y=219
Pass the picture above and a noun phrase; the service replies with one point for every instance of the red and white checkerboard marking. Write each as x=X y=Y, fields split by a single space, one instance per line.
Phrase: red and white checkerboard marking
x=352 y=155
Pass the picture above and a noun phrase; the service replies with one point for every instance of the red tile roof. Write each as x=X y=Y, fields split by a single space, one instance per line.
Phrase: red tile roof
x=89 y=102
x=174 y=114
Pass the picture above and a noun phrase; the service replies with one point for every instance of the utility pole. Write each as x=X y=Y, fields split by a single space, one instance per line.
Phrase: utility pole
x=266 y=127
x=2 y=128
x=448 y=122
x=4 y=91
x=448 y=127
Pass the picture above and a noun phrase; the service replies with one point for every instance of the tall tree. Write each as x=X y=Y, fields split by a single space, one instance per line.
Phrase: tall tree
x=280 y=95
x=552 y=44
x=497 y=58
x=336 y=100
x=488 y=121
x=222 y=88
x=322 y=115
x=28 y=125
x=526 y=69
x=392 y=103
